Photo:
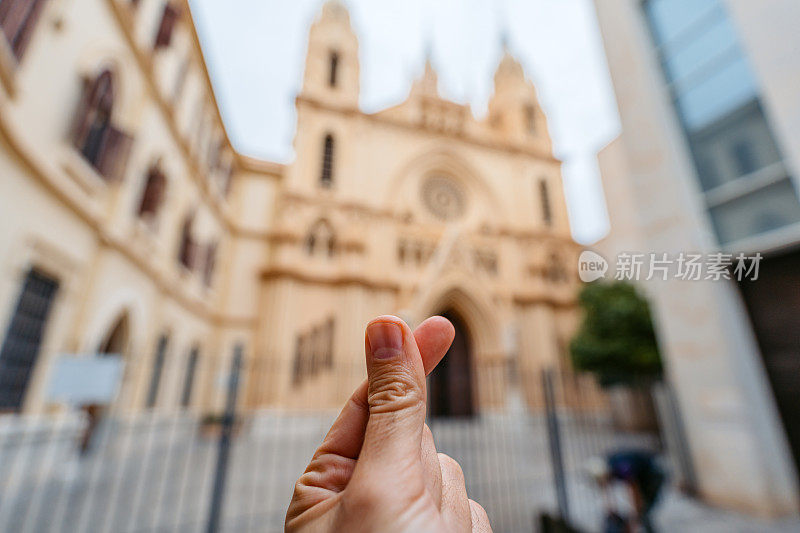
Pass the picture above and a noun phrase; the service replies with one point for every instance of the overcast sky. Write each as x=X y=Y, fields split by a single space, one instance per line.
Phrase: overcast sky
x=255 y=50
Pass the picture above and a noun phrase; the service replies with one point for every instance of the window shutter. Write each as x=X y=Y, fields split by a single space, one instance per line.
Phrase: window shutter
x=168 y=20
x=17 y=19
x=80 y=122
x=153 y=193
x=25 y=33
x=114 y=156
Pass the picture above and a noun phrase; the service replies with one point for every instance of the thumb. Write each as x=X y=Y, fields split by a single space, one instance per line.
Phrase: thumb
x=396 y=395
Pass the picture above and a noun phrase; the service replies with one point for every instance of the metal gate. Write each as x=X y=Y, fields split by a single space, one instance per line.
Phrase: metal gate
x=178 y=470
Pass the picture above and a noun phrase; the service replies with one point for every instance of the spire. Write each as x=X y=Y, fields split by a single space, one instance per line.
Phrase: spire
x=429 y=83
x=505 y=39
x=335 y=10
x=509 y=67
x=429 y=50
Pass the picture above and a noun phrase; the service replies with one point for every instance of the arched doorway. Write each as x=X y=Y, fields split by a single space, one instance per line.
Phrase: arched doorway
x=113 y=343
x=116 y=340
x=450 y=384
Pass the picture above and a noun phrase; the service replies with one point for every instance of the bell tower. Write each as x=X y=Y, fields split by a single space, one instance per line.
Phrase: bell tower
x=332 y=68
x=514 y=109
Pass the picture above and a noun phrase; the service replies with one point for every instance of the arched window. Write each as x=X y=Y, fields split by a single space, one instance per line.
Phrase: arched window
x=328 y=347
x=333 y=80
x=297 y=369
x=530 y=118
x=210 y=263
x=158 y=369
x=554 y=270
x=17 y=20
x=187 y=251
x=94 y=135
x=544 y=199
x=116 y=340
x=326 y=177
x=153 y=195
x=188 y=382
x=165 y=29
x=321 y=239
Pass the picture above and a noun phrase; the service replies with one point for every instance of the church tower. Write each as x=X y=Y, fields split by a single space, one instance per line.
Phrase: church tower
x=514 y=109
x=332 y=68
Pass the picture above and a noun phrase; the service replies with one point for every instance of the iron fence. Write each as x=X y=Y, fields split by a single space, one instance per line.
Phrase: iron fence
x=179 y=470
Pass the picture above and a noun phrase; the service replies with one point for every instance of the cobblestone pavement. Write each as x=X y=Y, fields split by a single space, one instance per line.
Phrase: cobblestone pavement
x=154 y=473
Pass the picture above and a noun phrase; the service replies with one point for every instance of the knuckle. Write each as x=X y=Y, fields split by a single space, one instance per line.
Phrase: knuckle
x=478 y=510
x=427 y=434
x=394 y=390
x=451 y=465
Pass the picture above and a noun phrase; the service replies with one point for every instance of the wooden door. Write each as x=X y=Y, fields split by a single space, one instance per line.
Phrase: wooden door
x=450 y=384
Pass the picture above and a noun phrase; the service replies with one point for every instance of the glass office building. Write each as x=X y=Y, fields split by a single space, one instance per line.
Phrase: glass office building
x=747 y=189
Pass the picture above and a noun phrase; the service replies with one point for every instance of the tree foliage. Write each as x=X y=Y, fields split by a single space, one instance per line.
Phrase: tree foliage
x=616 y=340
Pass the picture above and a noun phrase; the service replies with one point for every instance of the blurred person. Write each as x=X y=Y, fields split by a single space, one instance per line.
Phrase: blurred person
x=377 y=469
x=641 y=473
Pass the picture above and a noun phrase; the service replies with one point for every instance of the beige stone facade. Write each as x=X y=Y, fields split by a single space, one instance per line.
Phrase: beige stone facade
x=658 y=202
x=122 y=196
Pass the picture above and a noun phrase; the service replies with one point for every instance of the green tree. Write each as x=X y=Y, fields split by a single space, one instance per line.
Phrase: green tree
x=616 y=340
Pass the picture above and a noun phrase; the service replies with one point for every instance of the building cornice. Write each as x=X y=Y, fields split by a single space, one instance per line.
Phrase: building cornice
x=379 y=117
x=329 y=280
x=263 y=167
x=531 y=299
x=563 y=238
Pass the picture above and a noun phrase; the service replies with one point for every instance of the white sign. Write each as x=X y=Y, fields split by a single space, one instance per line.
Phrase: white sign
x=85 y=379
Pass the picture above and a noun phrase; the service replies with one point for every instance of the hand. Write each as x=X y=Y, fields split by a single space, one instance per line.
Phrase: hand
x=377 y=469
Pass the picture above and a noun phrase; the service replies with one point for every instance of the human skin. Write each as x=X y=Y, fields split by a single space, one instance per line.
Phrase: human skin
x=377 y=469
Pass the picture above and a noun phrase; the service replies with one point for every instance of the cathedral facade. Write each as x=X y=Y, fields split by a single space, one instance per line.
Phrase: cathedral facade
x=134 y=228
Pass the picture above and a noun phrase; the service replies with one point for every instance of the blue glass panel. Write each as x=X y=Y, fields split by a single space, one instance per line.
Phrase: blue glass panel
x=723 y=92
x=715 y=43
x=672 y=17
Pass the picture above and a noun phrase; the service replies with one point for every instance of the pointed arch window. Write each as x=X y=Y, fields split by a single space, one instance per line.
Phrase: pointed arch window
x=188 y=382
x=153 y=195
x=101 y=143
x=166 y=27
x=333 y=70
x=313 y=351
x=158 y=369
x=326 y=176
x=116 y=340
x=17 y=20
x=544 y=202
x=187 y=252
x=210 y=263
x=554 y=270
x=321 y=239
x=530 y=118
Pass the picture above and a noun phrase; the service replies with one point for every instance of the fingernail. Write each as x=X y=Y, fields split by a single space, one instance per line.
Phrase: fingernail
x=385 y=339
